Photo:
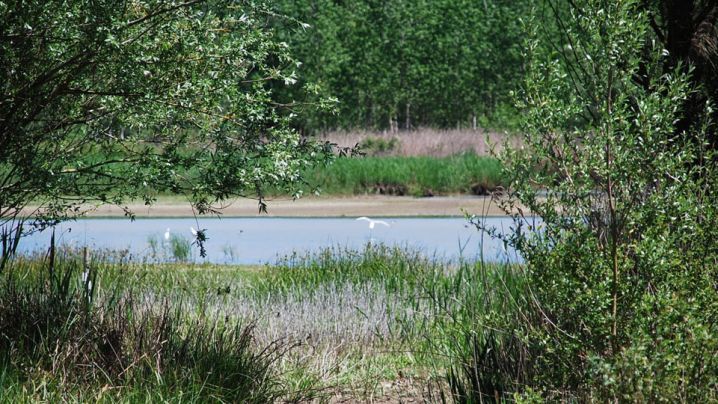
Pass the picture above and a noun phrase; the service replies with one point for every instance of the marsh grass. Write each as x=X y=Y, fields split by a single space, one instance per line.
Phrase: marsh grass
x=176 y=249
x=479 y=332
x=466 y=173
x=180 y=248
x=449 y=324
x=56 y=344
x=354 y=324
x=423 y=142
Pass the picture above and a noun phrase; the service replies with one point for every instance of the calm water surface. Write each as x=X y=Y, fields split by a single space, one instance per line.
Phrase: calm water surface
x=264 y=240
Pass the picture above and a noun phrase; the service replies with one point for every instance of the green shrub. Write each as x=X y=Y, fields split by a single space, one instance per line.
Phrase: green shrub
x=623 y=268
x=374 y=146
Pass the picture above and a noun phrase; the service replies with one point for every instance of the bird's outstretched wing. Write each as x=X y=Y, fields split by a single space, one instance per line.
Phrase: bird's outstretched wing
x=364 y=218
x=381 y=222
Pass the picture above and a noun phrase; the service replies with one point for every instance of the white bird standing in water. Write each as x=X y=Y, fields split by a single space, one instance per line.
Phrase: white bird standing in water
x=373 y=222
x=167 y=234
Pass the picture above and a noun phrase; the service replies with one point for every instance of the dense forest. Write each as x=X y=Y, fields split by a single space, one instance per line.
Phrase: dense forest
x=406 y=64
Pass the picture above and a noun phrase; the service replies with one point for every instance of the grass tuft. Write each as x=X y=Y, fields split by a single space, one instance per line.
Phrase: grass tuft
x=55 y=343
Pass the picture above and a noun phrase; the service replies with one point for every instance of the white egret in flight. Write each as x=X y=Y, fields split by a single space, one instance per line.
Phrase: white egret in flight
x=373 y=222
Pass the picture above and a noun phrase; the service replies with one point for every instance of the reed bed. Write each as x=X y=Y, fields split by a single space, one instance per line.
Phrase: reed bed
x=417 y=176
x=424 y=141
x=361 y=324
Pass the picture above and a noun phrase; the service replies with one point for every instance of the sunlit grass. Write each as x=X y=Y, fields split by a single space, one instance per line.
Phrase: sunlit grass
x=417 y=175
x=359 y=323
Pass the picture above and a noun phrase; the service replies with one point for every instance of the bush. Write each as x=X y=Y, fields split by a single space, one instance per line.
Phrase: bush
x=622 y=266
x=377 y=146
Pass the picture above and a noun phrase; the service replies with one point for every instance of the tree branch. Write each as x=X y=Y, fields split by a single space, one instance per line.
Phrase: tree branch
x=160 y=12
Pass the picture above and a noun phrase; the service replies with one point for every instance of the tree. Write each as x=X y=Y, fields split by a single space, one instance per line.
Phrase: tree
x=622 y=262
x=686 y=30
x=106 y=101
x=411 y=63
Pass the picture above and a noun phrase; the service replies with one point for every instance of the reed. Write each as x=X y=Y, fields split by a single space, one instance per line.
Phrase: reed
x=423 y=141
x=417 y=176
x=313 y=325
x=71 y=334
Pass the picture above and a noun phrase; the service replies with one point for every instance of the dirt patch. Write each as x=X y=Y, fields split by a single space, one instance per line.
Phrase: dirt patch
x=401 y=390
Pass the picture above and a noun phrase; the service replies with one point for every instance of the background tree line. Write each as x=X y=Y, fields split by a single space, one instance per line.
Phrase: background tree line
x=404 y=64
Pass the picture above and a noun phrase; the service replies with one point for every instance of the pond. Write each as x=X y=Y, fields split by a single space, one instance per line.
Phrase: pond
x=264 y=240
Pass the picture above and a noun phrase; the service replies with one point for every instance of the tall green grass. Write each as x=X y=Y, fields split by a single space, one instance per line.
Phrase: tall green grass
x=177 y=248
x=70 y=333
x=420 y=175
x=174 y=332
x=456 y=319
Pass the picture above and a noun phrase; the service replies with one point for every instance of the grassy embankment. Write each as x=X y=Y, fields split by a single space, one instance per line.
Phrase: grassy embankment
x=423 y=162
x=412 y=175
x=383 y=322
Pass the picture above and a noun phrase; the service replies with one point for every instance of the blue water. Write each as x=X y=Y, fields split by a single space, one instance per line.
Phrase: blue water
x=264 y=240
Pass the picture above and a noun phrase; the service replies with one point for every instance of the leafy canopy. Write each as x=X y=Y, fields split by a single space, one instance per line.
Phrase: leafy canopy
x=407 y=64
x=103 y=101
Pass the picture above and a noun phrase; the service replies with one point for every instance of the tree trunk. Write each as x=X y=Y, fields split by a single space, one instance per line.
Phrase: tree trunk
x=408 y=116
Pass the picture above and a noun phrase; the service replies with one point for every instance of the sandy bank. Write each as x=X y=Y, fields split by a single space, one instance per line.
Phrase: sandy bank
x=323 y=207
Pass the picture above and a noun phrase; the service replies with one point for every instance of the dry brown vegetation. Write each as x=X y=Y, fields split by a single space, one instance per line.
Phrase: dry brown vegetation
x=424 y=141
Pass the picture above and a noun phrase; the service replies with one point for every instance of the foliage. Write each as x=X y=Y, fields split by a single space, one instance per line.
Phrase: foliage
x=622 y=263
x=406 y=64
x=688 y=30
x=106 y=101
